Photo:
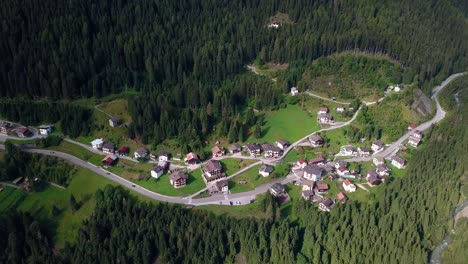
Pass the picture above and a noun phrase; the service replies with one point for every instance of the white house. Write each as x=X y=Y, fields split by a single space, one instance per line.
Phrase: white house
x=97 y=143
x=222 y=186
x=45 y=129
x=398 y=162
x=282 y=144
x=348 y=186
x=301 y=163
x=316 y=141
x=274 y=25
x=415 y=138
x=325 y=118
x=294 y=91
x=377 y=145
x=340 y=109
x=265 y=170
x=164 y=157
x=313 y=173
x=347 y=151
x=157 y=172
x=326 y=204
x=140 y=153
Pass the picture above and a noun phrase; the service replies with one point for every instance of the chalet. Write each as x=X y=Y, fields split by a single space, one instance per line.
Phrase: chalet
x=326 y=204
x=294 y=91
x=316 y=141
x=192 y=158
x=373 y=178
x=348 y=186
x=313 y=172
x=415 y=138
x=265 y=170
x=340 y=109
x=217 y=151
x=109 y=160
x=320 y=160
x=301 y=163
x=377 y=146
x=164 y=157
x=233 y=149
x=341 y=163
x=347 y=151
x=97 y=143
x=270 y=151
x=212 y=170
x=277 y=189
x=114 y=121
x=178 y=179
x=342 y=197
x=253 y=149
x=23 y=132
x=398 y=162
x=282 y=144
x=5 y=127
x=123 y=151
x=222 y=186
x=308 y=195
x=323 y=110
x=140 y=153
x=342 y=171
x=411 y=127
x=364 y=151
x=157 y=172
x=307 y=185
x=325 y=118
x=378 y=160
x=108 y=148
x=322 y=187
x=382 y=170
x=45 y=129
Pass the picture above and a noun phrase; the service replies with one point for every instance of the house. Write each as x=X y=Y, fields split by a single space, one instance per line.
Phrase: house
x=348 y=186
x=308 y=195
x=294 y=91
x=313 y=172
x=235 y=149
x=415 y=138
x=382 y=170
x=270 y=151
x=341 y=163
x=277 y=189
x=411 y=126
x=398 y=88
x=322 y=187
x=123 y=151
x=320 y=160
x=178 y=179
x=342 y=197
x=323 y=110
x=340 y=109
x=364 y=151
x=5 y=127
x=274 y=25
x=157 y=172
x=114 y=121
x=377 y=145
x=45 y=129
x=342 y=171
x=326 y=204
x=108 y=148
x=152 y=156
x=109 y=160
x=301 y=163
x=222 y=186
x=282 y=144
x=265 y=170
x=316 y=141
x=373 y=178
x=398 y=162
x=212 y=170
x=307 y=185
x=378 y=160
x=253 y=149
x=192 y=158
x=325 y=118
x=23 y=132
x=140 y=153
x=217 y=151
x=97 y=143
x=347 y=151
x=164 y=157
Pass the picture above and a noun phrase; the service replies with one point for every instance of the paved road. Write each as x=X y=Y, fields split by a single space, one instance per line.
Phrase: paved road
x=34 y=131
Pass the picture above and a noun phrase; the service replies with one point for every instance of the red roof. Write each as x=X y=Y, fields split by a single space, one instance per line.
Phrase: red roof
x=318 y=159
x=322 y=186
x=301 y=161
x=341 y=196
x=347 y=182
x=124 y=149
x=412 y=126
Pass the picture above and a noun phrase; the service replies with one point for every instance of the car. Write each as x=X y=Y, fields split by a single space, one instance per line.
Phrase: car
x=133 y=185
x=108 y=173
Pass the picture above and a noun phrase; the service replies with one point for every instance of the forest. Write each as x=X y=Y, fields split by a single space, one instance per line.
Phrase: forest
x=187 y=58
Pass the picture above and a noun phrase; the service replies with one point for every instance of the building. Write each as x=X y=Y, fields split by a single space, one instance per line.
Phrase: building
x=157 y=172
x=301 y=163
x=140 y=153
x=110 y=160
x=212 y=171
x=377 y=146
x=265 y=170
x=45 y=129
x=341 y=163
x=307 y=185
x=233 y=149
x=222 y=186
x=415 y=138
x=348 y=186
x=342 y=171
x=324 y=118
x=342 y=197
x=316 y=141
x=411 y=126
x=178 y=179
x=398 y=162
x=192 y=158
x=378 y=160
x=313 y=173
x=124 y=151
x=294 y=91
x=114 y=121
x=217 y=151
x=322 y=187
x=326 y=204
x=277 y=189
x=340 y=109
x=282 y=144
x=274 y=25
x=364 y=151
x=320 y=160
x=323 y=110
x=164 y=157
x=23 y=132
x=382 y=170
x=5 y=127
x=108 y=148
x=308 y=195
x=97 y=143
x=271 y=151
x=347 y=151
x=253 y=149
x=373 y=178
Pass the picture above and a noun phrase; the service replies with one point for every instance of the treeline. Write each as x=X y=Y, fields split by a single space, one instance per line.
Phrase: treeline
x=75 y=120
x=17 y=163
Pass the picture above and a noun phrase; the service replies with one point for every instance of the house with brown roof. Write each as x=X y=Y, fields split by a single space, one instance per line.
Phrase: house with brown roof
x=398 y=162
x=316 y=141
x=233 y=149
x=114 y=121
x=265 y=170
x=382 y=170
x=123 y=151
x=320 y=160
x=140 y=153
x=377 y=145
x=364 y=151
x=23 y=132
x=157 y=171
x=348 y=186
x=253 y=149
x=217 y=151
x=178 y=179
x=326 y=204
x=342 y=197
x=313 y=172
x=322 y=187
x=323 y=110
x=222 y=186
x=308 y=195
x=301 y=163
x=5 y=127
x=109 y=160
x=307 y=184
x=373 y=178
x=325 y=118
x=271 y=151
x=342 y=171
x=282 y=144
x=277 y=189
x=411 y=126
x=192 y=158
x=212 y=171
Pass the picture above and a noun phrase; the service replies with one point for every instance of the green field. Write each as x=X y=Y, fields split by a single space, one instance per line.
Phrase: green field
x=240 y=211
x=252 y=178
x=231 y=166
x=118 y=108
x=162 y=185
x=76 y=151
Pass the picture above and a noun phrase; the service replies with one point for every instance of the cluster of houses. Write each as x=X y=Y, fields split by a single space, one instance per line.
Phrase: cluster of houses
x=22 y=132
x=109 y=148
x=397 y=88
x=362 y=151
x=253 y=149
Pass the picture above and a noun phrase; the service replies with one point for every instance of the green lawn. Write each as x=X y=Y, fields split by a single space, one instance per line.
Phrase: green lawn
x=231 y=166
x=76 y=151
x=163 y=186
x=287 y=209
x=118 y=108
x=239 y=211
x=252 y=178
